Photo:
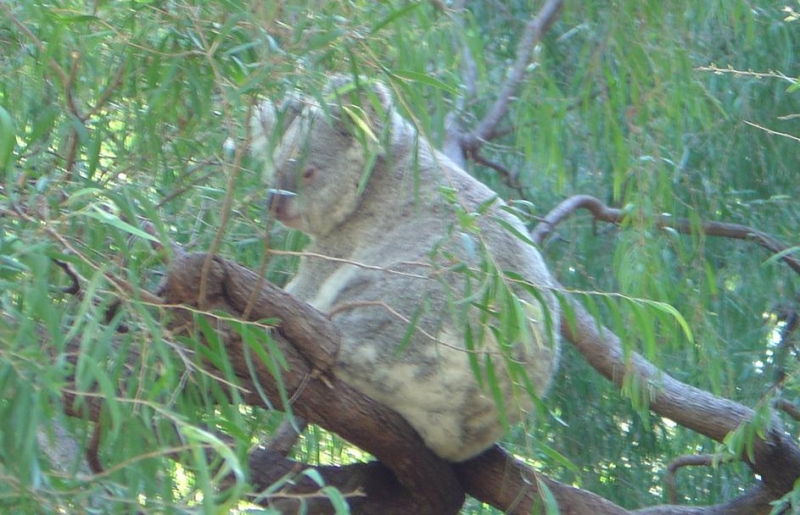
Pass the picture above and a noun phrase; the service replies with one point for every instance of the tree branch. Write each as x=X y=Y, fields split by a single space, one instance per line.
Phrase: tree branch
x=691 y=460
x=602 y=212
x=776 y=456
x=534 y=30
x=430 y=482
x=458 y=144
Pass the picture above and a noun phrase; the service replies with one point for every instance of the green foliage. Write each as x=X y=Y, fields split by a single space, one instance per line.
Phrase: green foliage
x=112 y=113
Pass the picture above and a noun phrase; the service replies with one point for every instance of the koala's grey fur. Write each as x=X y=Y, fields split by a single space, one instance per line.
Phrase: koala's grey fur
x=367 y=188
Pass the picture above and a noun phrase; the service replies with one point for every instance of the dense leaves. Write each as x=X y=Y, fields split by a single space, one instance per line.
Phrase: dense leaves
x=112 y=113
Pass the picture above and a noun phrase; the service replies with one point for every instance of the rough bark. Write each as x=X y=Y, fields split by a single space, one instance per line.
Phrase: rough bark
x=430 y=484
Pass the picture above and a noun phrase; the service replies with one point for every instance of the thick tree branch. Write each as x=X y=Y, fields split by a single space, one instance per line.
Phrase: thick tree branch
x=431 y=484
x=776 y=457
x=497 y=478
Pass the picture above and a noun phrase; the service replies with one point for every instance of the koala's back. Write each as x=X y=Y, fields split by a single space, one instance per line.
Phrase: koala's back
x=404 y=342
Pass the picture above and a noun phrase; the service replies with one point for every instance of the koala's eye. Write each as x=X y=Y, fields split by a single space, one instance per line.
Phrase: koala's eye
x=308 y=174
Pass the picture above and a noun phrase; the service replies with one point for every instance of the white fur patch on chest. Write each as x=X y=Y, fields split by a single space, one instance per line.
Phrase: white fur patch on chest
x=331 y=289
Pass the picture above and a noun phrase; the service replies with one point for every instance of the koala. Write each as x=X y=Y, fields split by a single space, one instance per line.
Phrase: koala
x=410 y=257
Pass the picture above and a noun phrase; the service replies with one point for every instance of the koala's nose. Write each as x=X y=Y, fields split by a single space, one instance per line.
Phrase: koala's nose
x=277 y=200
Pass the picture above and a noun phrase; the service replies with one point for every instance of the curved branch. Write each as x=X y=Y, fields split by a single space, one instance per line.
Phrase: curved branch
x=602 y=212
x=691 y=460
x=776 y=457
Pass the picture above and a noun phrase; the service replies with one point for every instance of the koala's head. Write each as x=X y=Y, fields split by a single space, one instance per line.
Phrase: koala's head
x=320 y=152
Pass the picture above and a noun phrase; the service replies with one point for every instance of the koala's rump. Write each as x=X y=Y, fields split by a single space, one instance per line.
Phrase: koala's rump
x=416 y=365
x=404 y=347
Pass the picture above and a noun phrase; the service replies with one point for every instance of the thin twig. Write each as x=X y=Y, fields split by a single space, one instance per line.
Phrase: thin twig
x=75 y=287
x=770 y=131
x=356 y=263
x=692 y=460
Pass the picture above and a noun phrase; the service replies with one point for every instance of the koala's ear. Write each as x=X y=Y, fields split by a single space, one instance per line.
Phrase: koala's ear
x=361 y=103
x=262 y=123
x=267 y=118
